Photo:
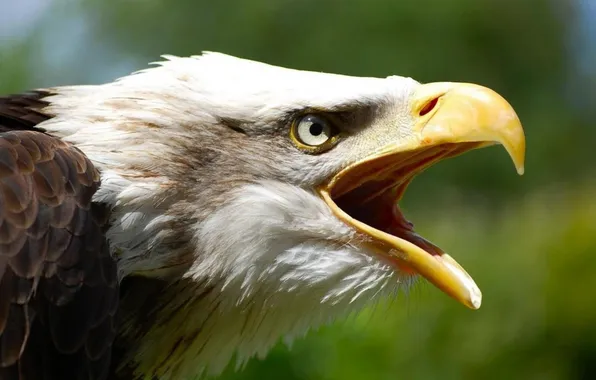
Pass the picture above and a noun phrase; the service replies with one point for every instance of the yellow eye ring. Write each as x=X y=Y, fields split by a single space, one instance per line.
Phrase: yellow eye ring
x=313 y=133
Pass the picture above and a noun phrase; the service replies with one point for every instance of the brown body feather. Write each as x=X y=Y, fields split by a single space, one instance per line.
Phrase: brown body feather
x=58 y=282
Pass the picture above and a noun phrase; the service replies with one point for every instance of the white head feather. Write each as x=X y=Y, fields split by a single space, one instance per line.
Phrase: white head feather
x=240 y=207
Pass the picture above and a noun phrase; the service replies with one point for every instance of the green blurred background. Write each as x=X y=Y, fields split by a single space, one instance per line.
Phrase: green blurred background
x=530 y=241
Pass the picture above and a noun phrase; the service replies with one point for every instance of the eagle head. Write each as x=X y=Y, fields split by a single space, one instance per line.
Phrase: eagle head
x=265 y=200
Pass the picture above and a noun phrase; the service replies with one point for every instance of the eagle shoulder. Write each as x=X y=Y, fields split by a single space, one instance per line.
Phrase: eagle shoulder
x=58 y=282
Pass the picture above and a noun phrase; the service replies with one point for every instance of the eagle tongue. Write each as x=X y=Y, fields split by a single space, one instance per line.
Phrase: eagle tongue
x=404 y=229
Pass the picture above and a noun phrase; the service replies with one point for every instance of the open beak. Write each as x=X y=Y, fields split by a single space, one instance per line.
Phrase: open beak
x=449 y=119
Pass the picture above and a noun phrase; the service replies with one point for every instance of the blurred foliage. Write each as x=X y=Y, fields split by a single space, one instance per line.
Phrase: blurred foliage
x=528 y=241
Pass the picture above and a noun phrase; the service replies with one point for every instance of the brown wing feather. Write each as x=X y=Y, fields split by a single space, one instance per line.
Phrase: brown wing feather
x=58 y=282
x=23 y=111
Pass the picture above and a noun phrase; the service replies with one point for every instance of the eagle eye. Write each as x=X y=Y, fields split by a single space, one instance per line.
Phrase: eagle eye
x=313 y=133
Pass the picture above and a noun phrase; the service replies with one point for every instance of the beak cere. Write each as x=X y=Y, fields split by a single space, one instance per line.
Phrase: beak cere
x=449 y=119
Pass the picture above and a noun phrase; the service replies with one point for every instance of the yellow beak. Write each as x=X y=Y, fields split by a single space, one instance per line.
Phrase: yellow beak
x=468 y=113
x=449 y=119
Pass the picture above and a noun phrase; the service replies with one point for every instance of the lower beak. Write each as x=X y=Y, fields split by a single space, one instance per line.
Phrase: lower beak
x=450 y=118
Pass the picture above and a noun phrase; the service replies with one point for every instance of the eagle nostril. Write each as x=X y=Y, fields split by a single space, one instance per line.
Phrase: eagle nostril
x=428 y=106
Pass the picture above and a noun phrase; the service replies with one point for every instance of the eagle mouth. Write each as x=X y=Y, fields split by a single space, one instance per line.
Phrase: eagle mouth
x=375 y=201
x=447 y=119
x=366 y=196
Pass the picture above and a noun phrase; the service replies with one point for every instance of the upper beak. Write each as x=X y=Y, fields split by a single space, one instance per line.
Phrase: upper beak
x=444 y=114
x=465 y=112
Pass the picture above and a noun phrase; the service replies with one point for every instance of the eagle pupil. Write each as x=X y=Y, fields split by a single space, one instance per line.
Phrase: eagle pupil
x=316 y=129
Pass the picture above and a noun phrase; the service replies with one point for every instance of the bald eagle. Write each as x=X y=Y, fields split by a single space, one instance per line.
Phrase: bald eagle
x=156 y=226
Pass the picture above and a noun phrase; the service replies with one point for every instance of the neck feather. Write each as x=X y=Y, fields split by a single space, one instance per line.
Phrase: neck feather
x=258 y=278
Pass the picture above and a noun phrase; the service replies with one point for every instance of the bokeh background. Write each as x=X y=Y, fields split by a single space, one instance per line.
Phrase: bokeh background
x=530 y=242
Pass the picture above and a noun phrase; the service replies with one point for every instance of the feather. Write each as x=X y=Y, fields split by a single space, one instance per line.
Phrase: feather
x=180 y=183
x=14 y=335
x=49 y=244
